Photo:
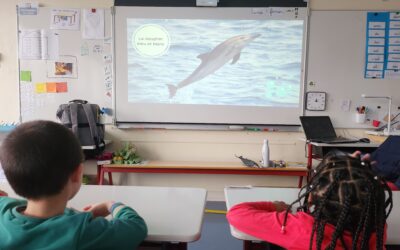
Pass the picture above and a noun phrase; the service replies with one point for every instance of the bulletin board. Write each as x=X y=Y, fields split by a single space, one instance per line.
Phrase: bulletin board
x=336 y=61
x=82 y=68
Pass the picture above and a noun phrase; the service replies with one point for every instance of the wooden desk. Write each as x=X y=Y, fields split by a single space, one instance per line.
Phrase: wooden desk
x=198 y=168
x=235 y=196
x=171 y=214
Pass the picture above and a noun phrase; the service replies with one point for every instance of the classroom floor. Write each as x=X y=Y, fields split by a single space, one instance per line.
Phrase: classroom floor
x=215 y=234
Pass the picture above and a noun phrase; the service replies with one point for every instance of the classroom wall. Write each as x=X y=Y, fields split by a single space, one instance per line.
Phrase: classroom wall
x=175 y=144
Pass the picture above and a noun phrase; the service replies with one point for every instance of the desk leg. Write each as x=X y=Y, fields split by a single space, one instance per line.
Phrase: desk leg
x=247 y=245
x=101 y=178
x=98 y=174
x=110 y=178
x=300 y=182
x=260 y=245
x=176 y=246
x=309 y=160
x=162 y=245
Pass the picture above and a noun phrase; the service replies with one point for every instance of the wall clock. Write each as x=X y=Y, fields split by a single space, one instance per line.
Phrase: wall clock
x=315 y=101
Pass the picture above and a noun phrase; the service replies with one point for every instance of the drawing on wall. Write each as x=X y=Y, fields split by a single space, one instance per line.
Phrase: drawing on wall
x=65 y=19
x=64 y=67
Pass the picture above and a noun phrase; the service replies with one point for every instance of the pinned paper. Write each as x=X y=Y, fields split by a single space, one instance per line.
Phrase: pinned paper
x=61 y=87
x=40 y=88
x=35 y=44
x=93 y=27
x=84 y=49
x=97 y=49
x=51 y=87
x=25 y=76
x=65 y=19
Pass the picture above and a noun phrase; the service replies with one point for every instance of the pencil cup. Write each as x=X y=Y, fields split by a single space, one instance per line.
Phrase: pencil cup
x=360 y=118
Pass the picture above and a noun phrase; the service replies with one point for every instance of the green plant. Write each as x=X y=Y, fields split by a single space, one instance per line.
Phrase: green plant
x=126 y=155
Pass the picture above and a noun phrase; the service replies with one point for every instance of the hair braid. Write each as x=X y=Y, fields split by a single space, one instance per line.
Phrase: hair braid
x=366 y=226
x=359 y=229
x=318 y=215
x=341 y=222
x=320 y=233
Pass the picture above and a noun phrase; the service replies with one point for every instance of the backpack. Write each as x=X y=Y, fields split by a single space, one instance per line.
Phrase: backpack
x=84 y=121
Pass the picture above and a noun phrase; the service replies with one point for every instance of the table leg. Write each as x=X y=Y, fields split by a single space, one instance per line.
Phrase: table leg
x=309 y=160
x=98 y=174
x=300 y=182
x=163 y=245
x=247 y=245
x=101 y=181
x=110 y=178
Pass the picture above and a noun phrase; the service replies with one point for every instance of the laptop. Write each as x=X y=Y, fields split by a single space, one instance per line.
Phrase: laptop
x=320 y=129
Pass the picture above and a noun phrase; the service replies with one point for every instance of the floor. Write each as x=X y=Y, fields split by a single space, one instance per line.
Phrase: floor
x=215 y=234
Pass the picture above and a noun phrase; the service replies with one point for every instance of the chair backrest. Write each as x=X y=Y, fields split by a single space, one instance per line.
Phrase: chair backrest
x=387 y=156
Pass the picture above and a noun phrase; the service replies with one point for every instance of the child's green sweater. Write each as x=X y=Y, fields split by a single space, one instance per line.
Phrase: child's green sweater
x=70 y=231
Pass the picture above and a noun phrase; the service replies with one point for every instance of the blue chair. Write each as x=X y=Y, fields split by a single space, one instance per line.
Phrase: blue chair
x=387 y=156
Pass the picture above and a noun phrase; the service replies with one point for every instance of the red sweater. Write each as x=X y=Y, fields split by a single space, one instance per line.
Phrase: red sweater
x=261 y=220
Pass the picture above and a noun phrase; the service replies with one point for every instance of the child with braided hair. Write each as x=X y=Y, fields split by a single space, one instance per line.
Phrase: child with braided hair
x=344 y=206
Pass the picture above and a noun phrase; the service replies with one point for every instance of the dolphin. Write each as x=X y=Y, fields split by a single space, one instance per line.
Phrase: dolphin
x=211 y=61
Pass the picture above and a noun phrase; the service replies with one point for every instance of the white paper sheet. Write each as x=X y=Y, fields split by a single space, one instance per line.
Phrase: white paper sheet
x=29 y=45
x=38 y=44
x=93 y=27
x=65 y=19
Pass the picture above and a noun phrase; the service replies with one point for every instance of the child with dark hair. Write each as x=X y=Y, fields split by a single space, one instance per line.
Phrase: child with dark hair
x=344 y=206
x=42 y=161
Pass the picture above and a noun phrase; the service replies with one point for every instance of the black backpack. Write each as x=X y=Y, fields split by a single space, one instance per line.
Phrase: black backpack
x=84 y=121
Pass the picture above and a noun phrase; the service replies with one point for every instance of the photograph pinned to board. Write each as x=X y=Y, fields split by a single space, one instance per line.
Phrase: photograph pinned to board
x=63 y=67
x=93 y=24
x=65 y=19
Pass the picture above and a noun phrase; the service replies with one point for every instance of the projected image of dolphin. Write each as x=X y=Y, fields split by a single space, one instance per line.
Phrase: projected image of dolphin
x=215 y=59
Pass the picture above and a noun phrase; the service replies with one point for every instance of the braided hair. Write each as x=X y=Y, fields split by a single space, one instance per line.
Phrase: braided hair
x=345 y=193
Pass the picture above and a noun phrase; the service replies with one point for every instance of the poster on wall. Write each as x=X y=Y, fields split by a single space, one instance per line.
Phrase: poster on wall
x=382 y=60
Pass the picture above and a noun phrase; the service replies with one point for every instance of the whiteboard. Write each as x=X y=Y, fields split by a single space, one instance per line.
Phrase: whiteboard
x=336 y=58
x=89 y=82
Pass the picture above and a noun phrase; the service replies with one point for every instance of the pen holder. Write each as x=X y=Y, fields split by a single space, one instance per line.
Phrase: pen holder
x=360 y=118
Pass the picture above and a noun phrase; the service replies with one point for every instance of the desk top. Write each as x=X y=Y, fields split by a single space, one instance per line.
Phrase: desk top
x=346 y=145
x=171 y=214
x=234 y=196
x=343 y=145
x=206 y=165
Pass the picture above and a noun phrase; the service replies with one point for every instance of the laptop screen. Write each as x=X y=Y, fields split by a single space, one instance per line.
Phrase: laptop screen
x=317 y=127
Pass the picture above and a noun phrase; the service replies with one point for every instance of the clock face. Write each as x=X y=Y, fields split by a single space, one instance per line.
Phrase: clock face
x=315 y=101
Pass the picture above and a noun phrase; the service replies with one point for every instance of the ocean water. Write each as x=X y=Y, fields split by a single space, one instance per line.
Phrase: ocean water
x=268 y=72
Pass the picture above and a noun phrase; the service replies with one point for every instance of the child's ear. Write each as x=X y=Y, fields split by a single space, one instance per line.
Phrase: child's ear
x=76 y=176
